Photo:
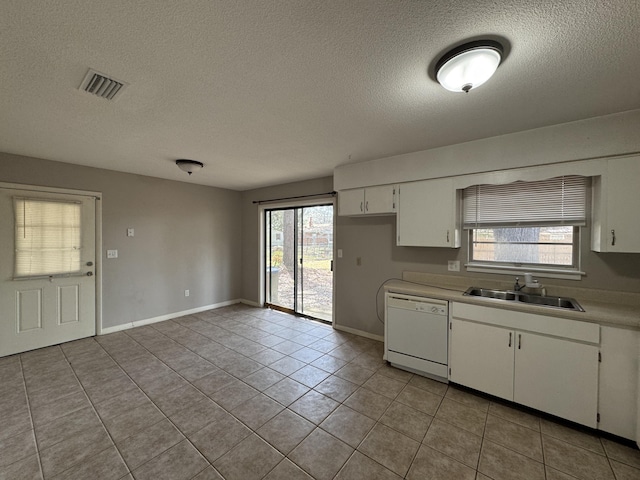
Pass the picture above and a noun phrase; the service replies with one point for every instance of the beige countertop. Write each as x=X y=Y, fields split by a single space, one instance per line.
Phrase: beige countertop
x=604 y=313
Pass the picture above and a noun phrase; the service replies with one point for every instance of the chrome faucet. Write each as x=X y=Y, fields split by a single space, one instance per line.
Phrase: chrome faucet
x=517 y=287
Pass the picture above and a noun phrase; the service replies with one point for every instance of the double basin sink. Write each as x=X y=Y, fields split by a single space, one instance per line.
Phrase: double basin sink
x=511 y=296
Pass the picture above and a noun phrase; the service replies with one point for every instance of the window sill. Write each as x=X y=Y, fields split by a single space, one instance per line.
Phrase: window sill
x=564 y=274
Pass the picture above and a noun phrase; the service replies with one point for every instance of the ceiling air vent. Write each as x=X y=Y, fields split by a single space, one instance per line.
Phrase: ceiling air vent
x=102 y=85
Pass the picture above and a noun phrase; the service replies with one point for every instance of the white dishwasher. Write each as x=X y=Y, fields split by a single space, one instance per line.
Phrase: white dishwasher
x=416 y=334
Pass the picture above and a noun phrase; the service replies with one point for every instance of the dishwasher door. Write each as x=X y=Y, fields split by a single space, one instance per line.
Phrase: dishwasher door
x=416 y=333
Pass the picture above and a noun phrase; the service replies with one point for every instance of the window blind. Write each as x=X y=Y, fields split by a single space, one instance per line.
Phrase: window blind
x=555 y=201
x=47 y=237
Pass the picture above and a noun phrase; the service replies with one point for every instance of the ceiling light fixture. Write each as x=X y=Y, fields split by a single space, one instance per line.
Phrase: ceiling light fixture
x=189 y=166
x=468 y=66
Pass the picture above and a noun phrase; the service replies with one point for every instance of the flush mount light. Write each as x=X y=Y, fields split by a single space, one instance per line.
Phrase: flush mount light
x=189 y=166
x=468 y=66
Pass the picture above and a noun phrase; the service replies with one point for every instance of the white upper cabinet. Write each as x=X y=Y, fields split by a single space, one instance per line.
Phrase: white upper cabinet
x=378 y=200
x=428 y=214
x=616 y=203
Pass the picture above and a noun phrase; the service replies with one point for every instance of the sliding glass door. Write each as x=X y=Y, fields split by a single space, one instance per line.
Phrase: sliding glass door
x=299 y=260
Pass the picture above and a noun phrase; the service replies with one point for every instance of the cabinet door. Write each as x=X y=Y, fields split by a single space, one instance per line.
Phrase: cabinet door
x=427 y=214
x=481 y=357
x=623 y=203
x=351 y=202
x=380 y=199
x=557 y=376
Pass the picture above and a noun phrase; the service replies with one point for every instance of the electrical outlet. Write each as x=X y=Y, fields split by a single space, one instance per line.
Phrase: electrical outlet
x=186 y=293
x=130 y=232
x=112 y=253
x=453 y=266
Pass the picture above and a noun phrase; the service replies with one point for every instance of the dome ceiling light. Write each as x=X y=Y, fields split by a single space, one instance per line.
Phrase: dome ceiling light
x=468 y=66
x=189 y=166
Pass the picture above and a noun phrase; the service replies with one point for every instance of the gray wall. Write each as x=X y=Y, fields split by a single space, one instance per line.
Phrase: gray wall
x=186 y=237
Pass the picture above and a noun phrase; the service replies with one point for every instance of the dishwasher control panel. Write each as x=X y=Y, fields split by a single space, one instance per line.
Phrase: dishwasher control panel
x=425 y=307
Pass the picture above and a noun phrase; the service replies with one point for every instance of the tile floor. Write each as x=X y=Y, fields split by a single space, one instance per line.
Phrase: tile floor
x=246 y=393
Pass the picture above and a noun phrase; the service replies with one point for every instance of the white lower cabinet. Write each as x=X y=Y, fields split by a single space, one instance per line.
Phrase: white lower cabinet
x=557 y=376
x=554 y=375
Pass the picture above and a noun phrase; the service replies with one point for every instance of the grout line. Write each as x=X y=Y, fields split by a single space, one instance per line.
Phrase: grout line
x=33 y=427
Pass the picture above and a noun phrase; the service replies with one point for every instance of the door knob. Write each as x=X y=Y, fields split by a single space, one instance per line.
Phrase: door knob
x=89 y=264
x=89 y=274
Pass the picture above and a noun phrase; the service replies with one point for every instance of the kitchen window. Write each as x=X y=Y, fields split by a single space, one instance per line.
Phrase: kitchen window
x=533 y=226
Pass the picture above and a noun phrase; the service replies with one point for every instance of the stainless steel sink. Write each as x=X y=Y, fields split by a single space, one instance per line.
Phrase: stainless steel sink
x=511 y=296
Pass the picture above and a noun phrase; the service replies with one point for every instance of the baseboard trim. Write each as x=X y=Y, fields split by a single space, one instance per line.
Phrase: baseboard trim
x=360 y=333
x=168 y=316
x=250 y=302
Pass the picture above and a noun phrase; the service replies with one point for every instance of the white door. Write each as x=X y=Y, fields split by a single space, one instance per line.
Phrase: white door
x=47 y=266
x=558 y=377
x=481 y=357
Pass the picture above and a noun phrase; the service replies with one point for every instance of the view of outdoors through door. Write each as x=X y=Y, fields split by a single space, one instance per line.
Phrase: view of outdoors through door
x=299 y=260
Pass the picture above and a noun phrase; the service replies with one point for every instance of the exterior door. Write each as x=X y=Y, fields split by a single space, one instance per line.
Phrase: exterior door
x=47 y=267
x=299 y=260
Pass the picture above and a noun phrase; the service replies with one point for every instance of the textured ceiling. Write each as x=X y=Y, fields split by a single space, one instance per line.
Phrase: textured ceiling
x=267 y=92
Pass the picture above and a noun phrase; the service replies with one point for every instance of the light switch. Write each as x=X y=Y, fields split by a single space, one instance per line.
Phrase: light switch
x=112 y=253
x=129 y=232
x=453 y=265
x=339 y=253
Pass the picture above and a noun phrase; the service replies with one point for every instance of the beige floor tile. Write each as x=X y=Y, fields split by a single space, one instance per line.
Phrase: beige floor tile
x=104 y=466
x=64 y=406
x=572 y=436
x=354 y=373
x=624 y=471
x=393 y=450
x=336 y=388
x=455 y=442
x=361 y=467
x=286 y=365
x=197 y=416
x=321 y=455
x=467 y=398
x=132 y=421
x=15 y=424
x=287 y=347
x=257 y=411
x=263 y=378
x=516 y=437
x=622 y=453
x=348 y=425
x=428 y=384
x=419 y=399
x=309 y=376
x=286 y=430
x=553 y=474
x=197 y=369
x=233 y=395
x=181 y=462
x=500 y=463
x=369 y=361
x=369 y=403
x=395 y=373
x=307 y=354
x=267 y=356
x=178 y=399
x=409 y=421
x=433 y=465
x=574 y=460
x=148 y=443
x=251 y=459
x=514 y=415
x=210 y=384
x=219 y=437
x=384 y=385
x=468 y=418
x=314 y=406
x=17 y=447
x=26 y=469
x=287 y=470
x=208 y=473
x=64 y=455
x=286 y=391
x=329 y=364
x=119 y=404
x=64 y=427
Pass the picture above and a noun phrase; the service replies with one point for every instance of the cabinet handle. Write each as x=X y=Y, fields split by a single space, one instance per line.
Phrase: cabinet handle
x=361 y=204
x=510 y=339
x=613 y=237
x=447 y=236
x=366 y=206
x=519 y=341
